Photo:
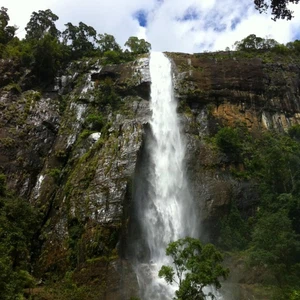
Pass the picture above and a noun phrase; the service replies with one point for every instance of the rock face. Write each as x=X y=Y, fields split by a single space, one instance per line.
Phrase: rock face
x=72 y=150
x=222 y=89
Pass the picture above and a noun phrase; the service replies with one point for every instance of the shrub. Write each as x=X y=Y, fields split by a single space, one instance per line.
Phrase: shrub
x=94 y=122
x=294 y=132
x=2 y=184
x=228 y=141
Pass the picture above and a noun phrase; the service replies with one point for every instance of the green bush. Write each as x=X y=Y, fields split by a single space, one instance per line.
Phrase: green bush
x=55 y=174
x=2 y=184
x=235 y=232
x=21 y=51
x=294 y=132
x=106 y=94
x=18 y=224
x=275 y=244
x=94 y=122
x=228 y=141
x=112 y=57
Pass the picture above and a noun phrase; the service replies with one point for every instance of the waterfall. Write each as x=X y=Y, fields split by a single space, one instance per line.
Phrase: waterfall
x=165 y=214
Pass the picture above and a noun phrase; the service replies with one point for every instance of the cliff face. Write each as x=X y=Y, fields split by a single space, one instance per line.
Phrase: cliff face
x=72 y=150
x=222 y=89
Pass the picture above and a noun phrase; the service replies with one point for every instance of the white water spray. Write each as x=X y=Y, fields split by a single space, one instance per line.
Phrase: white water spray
x=165 y=216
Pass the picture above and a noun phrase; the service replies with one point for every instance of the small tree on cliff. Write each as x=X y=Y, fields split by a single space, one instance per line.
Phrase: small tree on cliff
x=195 y=267
x=138 y=46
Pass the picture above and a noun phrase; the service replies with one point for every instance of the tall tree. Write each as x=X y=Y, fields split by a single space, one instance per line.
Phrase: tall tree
x=6 y=32
x=278 y=249
x=49 y=54
x=40 y=23
x=138 y=46
x=80 y=39
x=107 y=42
x=253 y=42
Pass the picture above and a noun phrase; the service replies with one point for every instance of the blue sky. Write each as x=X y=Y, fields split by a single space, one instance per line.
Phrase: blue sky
x=169 y=25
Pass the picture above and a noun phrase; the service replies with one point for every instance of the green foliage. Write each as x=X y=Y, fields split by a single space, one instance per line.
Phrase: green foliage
x=279 y=8
x=112 y=57
x=45 y=55
x=105 y=94
x=272 y=240
x=94 y=122
x=138 y=46
x=276 y=163
x=84 y=134
x=20 y=51
x=18 y=223
x=294 y=46
x=66 y=289
x=279 y=248
x=13 y=87
x=234 y=234
x=280 y=49
x=41 y=23
x=295 y=295
x=267 y=49
x=252 y=42
x=107 y=43
x=76 y=230
x=6 y=32
x=48 y=55
x=80 y=39
x=229 y=142
x=195 y=267
x=2 y=184
x=294 y=132
x=55 y=174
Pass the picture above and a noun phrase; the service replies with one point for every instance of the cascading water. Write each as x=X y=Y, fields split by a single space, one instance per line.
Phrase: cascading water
x=165 y=213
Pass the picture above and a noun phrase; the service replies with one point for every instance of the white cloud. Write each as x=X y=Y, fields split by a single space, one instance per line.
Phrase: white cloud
x=168 y=27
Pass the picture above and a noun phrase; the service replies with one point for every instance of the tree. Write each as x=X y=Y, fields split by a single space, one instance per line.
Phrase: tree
x=253 y=42
x=196 y=266
x=229 y=142
x=138 y=46
x=40 y=23
x=18 y=224
x=294 y=46
x=49 y=55
x=6 y=32
x=278 y=249
x=107 y=42
x=80 y=39
x=279 y=8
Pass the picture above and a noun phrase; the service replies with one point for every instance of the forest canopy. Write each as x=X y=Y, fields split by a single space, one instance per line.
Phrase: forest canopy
x=46 y=50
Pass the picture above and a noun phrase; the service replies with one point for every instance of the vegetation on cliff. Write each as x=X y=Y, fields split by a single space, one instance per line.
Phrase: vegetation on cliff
x=45 y=50
x=18 y=225
x=271 y=236
x=195 y=267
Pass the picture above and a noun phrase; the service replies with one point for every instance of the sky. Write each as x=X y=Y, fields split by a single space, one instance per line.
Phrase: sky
x=169 y=25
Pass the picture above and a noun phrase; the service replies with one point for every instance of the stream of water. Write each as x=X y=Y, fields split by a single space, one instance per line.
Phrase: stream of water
x=165 y=215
